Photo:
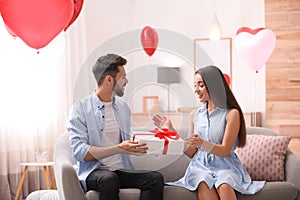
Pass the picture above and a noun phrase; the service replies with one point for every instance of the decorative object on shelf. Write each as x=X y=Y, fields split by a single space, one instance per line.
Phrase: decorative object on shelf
x=41 y=157
x=168 y=75
x=150 y=104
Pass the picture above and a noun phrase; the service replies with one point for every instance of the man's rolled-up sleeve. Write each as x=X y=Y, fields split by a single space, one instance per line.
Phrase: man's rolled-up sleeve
x=77 y=129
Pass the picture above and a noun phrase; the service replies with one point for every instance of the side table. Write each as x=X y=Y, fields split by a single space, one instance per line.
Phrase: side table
x=48 y=169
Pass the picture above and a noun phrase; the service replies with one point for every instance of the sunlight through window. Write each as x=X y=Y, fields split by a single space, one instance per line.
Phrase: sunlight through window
x=29 y=81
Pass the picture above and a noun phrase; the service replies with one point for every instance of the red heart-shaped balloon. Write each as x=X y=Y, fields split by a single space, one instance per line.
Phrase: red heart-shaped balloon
x=149 y=39
x=227 y=78
x=36 y=22
x=249 y=30
x=10 y=31
x=77 y=9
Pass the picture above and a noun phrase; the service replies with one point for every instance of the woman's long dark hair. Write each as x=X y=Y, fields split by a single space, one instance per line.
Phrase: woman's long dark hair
x=222 y=96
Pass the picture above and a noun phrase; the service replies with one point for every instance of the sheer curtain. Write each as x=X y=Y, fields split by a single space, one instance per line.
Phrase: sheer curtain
x=36 y=94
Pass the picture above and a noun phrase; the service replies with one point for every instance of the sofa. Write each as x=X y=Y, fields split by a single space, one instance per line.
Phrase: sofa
x=69 y=187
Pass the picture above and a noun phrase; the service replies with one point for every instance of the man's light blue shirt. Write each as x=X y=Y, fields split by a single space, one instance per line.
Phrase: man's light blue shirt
x=85 y=127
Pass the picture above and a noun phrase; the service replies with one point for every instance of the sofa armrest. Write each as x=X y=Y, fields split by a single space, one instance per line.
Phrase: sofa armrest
x=292 y=165
x=68 y=184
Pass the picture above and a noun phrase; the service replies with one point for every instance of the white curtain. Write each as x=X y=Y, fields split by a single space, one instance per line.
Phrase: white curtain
x=36 y=93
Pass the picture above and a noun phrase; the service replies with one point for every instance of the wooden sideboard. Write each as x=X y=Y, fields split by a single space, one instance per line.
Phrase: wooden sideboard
x=181 y=119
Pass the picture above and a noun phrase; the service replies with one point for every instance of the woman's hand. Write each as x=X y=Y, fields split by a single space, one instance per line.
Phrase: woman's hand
x=189 y=148
x=163 y=122
x=195 y=140
x=198 y=141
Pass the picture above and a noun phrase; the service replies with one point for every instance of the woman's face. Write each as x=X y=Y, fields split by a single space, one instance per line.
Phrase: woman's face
x=200 y=88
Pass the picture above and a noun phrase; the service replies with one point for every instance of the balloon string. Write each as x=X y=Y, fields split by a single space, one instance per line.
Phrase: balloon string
x=254 y=92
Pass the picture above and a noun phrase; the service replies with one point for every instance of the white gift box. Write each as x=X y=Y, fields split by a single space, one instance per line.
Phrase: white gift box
x=158 y=146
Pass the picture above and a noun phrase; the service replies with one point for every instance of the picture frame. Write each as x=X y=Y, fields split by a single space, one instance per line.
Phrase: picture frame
x=218 y=53
x=150 y=104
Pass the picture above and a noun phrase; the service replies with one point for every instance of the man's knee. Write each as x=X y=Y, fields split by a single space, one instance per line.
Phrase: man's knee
x=110 y=180
x=154 y=178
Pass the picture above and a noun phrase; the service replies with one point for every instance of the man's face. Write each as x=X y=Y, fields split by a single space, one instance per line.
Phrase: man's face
x=120 y=82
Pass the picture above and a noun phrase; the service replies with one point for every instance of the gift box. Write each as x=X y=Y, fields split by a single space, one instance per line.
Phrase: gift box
x=160 y=141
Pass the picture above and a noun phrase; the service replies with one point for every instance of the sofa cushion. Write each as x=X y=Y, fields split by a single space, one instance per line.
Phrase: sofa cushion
x=263 y=156
x=273 y=191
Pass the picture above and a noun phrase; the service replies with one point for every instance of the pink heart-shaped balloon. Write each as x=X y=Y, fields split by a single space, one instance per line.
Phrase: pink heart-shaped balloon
x=249 y=30
x=255 y=49
x=149 y=39
x=36 y=22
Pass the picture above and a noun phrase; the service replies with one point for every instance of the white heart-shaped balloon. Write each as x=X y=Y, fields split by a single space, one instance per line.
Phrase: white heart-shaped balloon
x=255 y=48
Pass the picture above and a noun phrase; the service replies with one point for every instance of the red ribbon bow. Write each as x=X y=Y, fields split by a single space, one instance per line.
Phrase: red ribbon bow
x=165 y=134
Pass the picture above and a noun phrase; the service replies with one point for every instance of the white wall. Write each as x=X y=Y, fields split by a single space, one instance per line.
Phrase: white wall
x=105 y=19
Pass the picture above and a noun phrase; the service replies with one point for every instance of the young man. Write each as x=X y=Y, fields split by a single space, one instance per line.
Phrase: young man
x=99 y=129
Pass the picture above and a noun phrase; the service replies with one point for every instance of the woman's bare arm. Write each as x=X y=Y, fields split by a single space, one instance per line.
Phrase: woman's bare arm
x=229 y=139
x=190 y=149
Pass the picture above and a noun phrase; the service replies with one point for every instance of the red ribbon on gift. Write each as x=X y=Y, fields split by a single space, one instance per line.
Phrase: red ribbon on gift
x=165 y=134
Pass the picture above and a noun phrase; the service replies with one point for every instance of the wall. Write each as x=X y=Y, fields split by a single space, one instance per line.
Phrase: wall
x=283 y=71
x=107 y=19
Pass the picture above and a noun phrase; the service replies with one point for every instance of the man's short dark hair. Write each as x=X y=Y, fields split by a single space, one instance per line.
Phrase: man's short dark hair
x=107 y=65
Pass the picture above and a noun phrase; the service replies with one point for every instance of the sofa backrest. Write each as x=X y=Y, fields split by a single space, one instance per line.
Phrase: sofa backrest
x=253 y=130
x=62 y=150
x=64 y=171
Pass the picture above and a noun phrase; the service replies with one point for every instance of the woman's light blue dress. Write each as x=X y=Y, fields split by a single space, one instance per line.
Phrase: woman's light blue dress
x=213 y=169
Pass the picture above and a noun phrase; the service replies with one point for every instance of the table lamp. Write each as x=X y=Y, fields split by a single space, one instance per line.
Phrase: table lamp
x=168 y=75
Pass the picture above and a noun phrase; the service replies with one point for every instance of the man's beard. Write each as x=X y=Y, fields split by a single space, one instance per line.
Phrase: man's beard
x=118 y=89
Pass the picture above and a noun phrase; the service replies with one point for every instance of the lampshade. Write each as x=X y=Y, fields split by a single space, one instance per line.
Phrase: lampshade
x=215 y=29
x=168 y=75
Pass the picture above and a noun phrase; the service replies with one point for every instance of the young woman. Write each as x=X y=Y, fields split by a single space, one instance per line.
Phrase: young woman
x=217 y=128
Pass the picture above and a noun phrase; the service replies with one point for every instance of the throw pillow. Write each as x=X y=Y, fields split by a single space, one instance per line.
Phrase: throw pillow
x=263 y=156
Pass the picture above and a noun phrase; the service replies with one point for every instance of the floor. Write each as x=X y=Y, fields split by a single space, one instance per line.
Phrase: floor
x=295 y=146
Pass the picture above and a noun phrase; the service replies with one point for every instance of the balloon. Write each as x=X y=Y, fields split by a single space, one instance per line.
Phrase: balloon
x=248 y=30
x=255 y=48
x=36 y=22
x=149 y=39
x=77 y=9
x=227 y=78
x=10 y=31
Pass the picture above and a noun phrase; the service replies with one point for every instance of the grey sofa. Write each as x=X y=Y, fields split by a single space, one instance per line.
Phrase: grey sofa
x=69 y=187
